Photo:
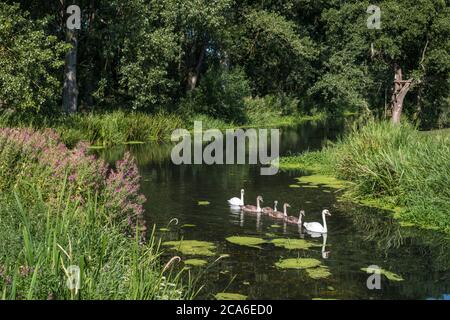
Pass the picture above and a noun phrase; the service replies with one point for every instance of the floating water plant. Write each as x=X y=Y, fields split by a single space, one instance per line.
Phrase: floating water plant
x=187 y=225
x=192 y=247
x=271 y=235
x=230 y=296
x=293 y=244
x=294 y=186
x=195 y=262
x=203 y=203
x=298 y=263
x=318 y=273
x=388 y=274
x=247 y=241
x=319 y=179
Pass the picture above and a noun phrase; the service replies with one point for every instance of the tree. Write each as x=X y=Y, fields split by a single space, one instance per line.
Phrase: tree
x=30 y=62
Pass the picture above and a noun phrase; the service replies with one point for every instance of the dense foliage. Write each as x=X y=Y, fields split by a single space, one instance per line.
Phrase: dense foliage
x=150 y=55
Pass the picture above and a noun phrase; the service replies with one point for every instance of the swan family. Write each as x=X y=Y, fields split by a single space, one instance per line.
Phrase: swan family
x=314 y=227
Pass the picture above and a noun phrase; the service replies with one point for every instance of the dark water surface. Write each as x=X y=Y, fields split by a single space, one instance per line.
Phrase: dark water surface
x=357 y=238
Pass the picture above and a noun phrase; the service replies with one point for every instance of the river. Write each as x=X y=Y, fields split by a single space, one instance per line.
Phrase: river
x=358 y=236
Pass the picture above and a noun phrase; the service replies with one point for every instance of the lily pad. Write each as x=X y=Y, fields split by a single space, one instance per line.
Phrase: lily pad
x=203 y=203
x=230 y=296
x=246 y=241
x=192 y=247
x=319 y=179
x=293 y=244
x=196 y=262
x=318 y=273
x=388 y=274
x=298 y=263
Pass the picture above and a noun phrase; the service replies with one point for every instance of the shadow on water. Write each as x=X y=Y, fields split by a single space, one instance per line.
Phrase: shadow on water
x=358 y=236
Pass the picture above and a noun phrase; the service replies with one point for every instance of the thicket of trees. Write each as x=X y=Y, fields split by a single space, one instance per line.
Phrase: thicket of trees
x=207 y=55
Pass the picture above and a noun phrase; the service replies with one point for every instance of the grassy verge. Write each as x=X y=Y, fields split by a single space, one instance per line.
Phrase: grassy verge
x=65 y=213
x=390 y=166
x=42 y=245
x=118 y=127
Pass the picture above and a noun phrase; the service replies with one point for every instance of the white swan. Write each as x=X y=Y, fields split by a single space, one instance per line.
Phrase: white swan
x=236 y=201
x=316 y=226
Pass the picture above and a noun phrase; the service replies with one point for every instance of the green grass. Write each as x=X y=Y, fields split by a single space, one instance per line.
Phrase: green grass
x=394 y=165
x=119 y=127
x=39 y=243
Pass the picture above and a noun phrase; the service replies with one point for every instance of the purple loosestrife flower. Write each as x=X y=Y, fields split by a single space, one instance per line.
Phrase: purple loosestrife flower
x=46 y=161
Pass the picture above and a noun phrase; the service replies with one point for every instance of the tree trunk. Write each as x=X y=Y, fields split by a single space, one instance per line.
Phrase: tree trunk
x=401 y=88
x=70 y=94
x=193 y=75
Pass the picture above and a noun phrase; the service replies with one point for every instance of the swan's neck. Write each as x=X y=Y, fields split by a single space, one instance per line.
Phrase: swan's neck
x=324 y=222
x=299 y=219
x=258 y=208
x=275 y=207
x=242 y=197
x=285 y=210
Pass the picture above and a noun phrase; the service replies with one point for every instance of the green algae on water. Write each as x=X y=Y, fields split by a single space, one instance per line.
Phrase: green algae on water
x=293 y=244
x=192 y=247
x=196 y=262
x=275 y=226
x=319 y=179
x=188 y=225
x=294 y=186
x=271 y=235
x=203 y=203
x=298 y=263
x=388 y=274
x=164 y=229
x=247 y=241
x=230 y=296
x=318 y=273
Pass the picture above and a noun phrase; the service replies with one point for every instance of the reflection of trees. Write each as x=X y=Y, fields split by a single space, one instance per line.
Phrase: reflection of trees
x=421 y=256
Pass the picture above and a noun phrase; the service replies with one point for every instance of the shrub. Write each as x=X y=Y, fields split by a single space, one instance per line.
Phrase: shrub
x=221 y=94
x=41 y=159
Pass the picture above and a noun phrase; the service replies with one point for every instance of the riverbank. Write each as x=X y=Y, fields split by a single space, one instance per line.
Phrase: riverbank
x=118 y=127
x=393 y=167
x=73 y=228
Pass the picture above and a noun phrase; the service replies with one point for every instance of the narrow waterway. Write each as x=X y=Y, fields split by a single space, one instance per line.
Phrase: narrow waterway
x=358 y=237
